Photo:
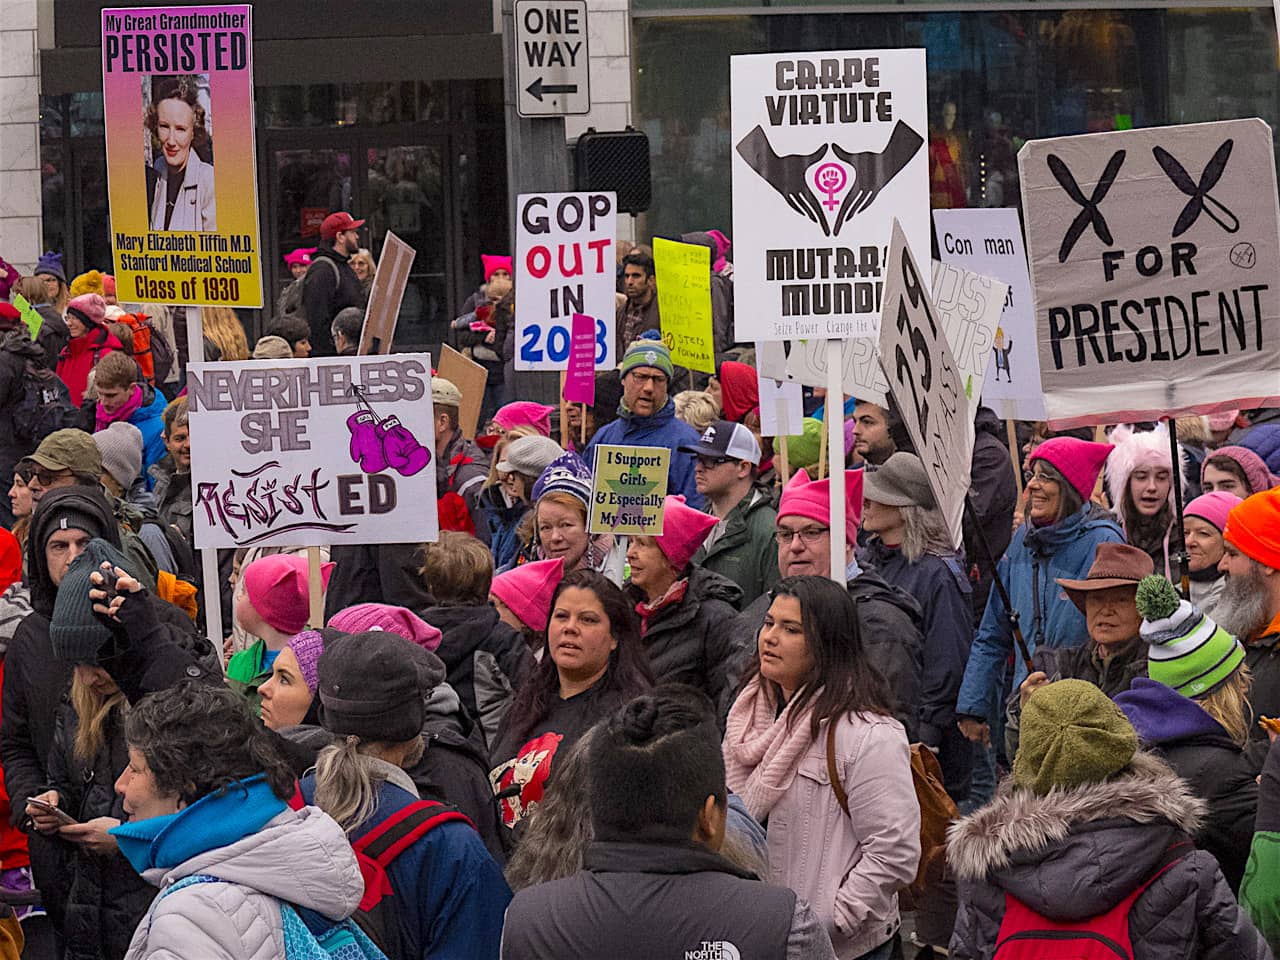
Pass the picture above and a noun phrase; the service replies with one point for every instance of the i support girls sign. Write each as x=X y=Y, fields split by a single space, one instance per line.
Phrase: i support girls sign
x=313 y=452
x=184 y=227
x=564 y=266
x=828 y=149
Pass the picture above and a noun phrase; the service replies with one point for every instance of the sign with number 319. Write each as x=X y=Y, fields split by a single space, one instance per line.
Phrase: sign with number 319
x=925 y=382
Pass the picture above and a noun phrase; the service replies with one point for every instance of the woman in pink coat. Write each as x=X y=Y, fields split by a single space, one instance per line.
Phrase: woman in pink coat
x=813 y=705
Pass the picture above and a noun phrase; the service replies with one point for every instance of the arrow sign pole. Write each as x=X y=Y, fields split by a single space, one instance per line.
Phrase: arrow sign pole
x=538 y=88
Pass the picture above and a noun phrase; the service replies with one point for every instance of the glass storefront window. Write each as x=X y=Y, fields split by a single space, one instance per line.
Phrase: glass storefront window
x=86 y=114
x=349 y=104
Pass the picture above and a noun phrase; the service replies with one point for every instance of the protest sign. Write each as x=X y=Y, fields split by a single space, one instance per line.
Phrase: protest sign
x=383 y=309
x=968 y=307
x=1154 y=256
x=313 y=452
x=184 y=230
x=989 y=242
x=470 y=378
x=30 y=315
x=683 y=273
x=628 y=489
x=580 y=377
x=564 y=265
x=926 y=384
x=781 y=408
x=828 y=149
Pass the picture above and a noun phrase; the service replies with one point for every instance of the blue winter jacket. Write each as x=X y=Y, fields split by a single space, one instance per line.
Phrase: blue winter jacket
x=450 y=893
x=660 y=430
x=148 y=418
x=1035 y=559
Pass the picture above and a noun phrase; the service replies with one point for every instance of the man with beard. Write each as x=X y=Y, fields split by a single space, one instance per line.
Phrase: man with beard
x=1250 y=605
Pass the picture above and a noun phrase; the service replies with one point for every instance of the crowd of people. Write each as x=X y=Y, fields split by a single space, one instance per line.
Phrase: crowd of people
x=529 y=739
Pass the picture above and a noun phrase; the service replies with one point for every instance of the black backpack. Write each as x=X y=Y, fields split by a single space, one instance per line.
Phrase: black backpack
x=45 y=405
x=291 y=302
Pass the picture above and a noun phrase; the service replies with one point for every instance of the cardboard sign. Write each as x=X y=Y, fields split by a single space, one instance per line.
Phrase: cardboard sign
x=926 y=384
x=968 y=307
x=781 y=408
x=470 y=378
x=313 y=452
x=564 y=265
x=1154 y=257
x=172 y=78
x=628 y=490
x=580 y=377
x=389 y=282
x=828 y=149
x=683 y=274
x=989 y=242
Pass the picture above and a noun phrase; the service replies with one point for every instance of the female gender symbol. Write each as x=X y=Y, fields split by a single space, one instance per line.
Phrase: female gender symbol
x=830 y=179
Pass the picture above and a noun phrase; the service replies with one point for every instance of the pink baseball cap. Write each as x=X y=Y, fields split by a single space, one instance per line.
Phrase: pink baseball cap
x=802 y=497
x=401 y=621
x=683 y=530
x=277 y=588
x=528 y=589
x=524 y=413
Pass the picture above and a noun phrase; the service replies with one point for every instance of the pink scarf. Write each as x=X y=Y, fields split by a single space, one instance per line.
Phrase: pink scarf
x=122 y=412
x=761 y=754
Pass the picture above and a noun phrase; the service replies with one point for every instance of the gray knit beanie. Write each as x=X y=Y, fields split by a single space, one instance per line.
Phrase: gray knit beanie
x=75 y=631
x=121 y=448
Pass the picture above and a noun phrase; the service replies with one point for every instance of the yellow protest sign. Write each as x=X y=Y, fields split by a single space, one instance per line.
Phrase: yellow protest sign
x=683 y=273
x=629 y=489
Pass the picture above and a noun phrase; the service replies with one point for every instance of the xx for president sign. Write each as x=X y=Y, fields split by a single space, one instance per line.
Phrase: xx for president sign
x=1154 y=260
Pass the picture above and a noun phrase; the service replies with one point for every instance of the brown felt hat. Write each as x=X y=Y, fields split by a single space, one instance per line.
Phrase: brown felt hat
x=1114 y=565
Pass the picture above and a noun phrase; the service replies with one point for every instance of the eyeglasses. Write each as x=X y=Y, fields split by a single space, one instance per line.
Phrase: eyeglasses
x=47 y=478
x=808 y=536
x=657 y=379
x=708 y=463
x=1039 y=478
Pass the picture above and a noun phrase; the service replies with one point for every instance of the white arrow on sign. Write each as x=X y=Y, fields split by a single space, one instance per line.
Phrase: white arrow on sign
x=552 y=72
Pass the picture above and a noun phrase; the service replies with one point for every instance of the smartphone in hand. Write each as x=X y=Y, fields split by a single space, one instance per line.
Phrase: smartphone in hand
x=62 y=815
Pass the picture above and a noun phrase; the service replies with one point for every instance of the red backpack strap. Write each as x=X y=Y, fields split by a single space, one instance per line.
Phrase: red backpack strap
x=380 y=846
x=458 y=460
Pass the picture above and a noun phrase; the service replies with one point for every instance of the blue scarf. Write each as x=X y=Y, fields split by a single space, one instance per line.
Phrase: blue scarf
x=216 y=820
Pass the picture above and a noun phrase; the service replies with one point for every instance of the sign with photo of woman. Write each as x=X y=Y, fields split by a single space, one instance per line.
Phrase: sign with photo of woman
x=180 y=233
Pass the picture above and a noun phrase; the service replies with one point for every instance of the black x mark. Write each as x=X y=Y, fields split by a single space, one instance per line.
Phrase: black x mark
x=1089 y=213
x=1199 y=192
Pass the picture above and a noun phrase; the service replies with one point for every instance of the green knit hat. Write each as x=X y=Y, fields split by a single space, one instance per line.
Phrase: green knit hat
x=76 y=633
x=803 y=450
x=1071 y=734
x=647 y=353
x=1189 y=652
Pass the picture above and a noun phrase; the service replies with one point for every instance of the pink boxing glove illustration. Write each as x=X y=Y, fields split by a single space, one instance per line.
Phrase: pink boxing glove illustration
x=381 y=442
x=404 y=453
x=366 y=445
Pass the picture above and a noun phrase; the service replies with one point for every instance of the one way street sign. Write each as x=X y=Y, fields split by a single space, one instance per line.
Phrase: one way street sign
x=551 y=58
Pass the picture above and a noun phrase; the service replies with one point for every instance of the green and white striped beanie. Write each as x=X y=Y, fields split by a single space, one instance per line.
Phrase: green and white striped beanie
x=1188 y=651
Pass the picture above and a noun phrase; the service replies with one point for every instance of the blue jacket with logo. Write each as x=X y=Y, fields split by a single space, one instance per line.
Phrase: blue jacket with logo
x=1035 y=559
x=660 y=430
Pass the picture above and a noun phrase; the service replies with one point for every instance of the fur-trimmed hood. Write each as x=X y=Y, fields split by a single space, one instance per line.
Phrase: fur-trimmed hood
x=1076 y=852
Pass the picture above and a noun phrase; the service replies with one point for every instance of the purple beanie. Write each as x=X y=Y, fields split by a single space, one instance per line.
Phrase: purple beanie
x=364 y=617
x=307 y=647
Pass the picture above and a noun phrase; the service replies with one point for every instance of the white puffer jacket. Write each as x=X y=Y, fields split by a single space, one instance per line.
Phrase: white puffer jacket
x=300 y=856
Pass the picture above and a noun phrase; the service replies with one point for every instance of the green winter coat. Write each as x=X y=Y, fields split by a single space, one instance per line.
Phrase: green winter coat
x=746 y=552
x=246 y=672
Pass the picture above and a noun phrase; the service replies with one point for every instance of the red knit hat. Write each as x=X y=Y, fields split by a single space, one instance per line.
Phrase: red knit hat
x=277 y=588
x=528 y=589
x=10 y=560
x=1079 y=461
x=1253 y=527
x=683 y=530
x=739 y=390
x=802 y=497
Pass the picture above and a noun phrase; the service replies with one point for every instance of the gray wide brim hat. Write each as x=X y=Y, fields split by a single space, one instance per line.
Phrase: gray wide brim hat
x=899 y=482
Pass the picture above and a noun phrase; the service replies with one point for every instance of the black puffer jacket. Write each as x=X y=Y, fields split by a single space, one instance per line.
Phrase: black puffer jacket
x=106 y=897
x=16 y=350
x=889 y=622
x=994 y=491
x=694 y=641
x=470 y=630
x=1078 y=852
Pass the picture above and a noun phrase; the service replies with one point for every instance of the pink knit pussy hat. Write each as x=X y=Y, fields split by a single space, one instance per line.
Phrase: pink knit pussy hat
x=402 y=621
x=278 y=589
x=1079 y=461
x=683 y=530
x=802 y=497
x=528 y=589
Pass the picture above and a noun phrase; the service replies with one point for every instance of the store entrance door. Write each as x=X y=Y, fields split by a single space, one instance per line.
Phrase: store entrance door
x=394 y=180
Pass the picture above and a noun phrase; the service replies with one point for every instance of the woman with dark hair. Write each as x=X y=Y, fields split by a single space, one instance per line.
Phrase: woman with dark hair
x=184 y=194
x=595 y=661
x=813 y=748
x=209 y=824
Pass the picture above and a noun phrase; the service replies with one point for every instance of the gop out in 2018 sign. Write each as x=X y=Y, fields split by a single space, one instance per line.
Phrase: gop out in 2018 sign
x=564 y=265
x=828 y=149
x=313 y=452
x=1154 y=261
x=176 y=81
